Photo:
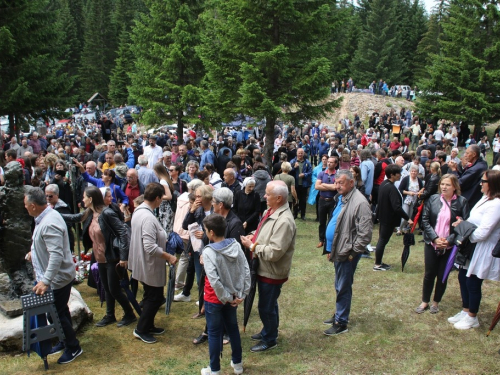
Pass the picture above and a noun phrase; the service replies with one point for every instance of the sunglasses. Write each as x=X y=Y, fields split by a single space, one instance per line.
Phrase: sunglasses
x=49 y=196
x=483 y=181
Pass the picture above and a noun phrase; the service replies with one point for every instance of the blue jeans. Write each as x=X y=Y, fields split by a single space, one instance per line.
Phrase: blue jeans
x=470 y=289
x=218 y=317
x=269 y=311
x=344 y=277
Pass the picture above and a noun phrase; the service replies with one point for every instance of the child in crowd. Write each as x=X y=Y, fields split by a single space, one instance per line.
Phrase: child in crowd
x=226 y=285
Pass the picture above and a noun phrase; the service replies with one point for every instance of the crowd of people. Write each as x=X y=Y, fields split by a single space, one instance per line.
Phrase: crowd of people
x=123 y=193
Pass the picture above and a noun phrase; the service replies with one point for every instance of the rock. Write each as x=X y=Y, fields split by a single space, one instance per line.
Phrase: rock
x=11 y=329
x=4 y=284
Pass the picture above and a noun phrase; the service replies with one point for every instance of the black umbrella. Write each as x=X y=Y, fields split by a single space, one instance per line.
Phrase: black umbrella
x=247 y=309
x=170 y=288
x=408 y=240
x=125 y=284
x=201 y=290
x=42 y=348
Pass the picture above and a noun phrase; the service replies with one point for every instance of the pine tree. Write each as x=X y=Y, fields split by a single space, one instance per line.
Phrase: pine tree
x=269 y=60
x=68 y=26
x=120 y=80
x=379 y=54
x=428 y=46
x=98 y=54
x=167 y=69
x=32 y=81
x=412 y=26
x=466 y=70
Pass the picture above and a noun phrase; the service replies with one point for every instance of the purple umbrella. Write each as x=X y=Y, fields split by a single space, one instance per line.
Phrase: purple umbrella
x=450 y=262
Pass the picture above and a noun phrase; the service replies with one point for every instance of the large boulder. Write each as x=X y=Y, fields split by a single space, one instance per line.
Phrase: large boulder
x=11 y=329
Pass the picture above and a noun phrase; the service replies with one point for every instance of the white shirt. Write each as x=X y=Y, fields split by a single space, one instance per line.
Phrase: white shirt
x=154 y=154
x=438 y=135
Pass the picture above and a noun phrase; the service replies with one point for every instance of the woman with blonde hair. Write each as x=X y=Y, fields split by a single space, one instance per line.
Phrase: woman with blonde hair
x=286 y=167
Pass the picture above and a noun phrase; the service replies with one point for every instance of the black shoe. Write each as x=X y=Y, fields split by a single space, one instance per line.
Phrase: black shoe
x=336 y=329
x=256 y=337
x=200 y=339
x=330 y=321
x=69 y=356
x=126 y=320
x=59 y=347
x=303 y=218
x=156 y=331
x=145 y=337
x=106 y=321
x=262 y=347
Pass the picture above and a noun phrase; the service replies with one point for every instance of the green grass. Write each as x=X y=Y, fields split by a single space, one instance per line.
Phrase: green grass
x=385 y=335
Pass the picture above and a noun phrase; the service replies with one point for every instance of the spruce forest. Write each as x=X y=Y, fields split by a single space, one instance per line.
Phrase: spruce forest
x=204 y=61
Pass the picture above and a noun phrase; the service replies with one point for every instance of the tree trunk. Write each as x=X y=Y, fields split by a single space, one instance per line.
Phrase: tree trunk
x=269 y=145
x=180 y=127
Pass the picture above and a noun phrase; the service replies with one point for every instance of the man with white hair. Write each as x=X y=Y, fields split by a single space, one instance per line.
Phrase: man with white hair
x=274 y=244
x=230 y=180
x=52 y=196
x=167 y=159
x=454 y=156
x=35 y=144
x=347 y=235
x=146 y=175
x=24 y=148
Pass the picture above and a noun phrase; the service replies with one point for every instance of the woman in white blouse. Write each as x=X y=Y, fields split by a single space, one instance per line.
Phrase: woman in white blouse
x=486 y=216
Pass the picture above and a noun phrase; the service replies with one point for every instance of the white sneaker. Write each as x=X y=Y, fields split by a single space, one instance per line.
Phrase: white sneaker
x=467 y=322
x=238 y=367
x=370 y=248
x=208 y=371
x=182 y=298
x=458 y=317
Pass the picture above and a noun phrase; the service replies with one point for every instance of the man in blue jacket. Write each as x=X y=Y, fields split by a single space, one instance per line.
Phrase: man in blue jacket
x=302 y=171
x=322 y=148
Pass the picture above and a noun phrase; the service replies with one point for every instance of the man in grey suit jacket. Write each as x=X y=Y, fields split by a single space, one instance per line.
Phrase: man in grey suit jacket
x=53 y=265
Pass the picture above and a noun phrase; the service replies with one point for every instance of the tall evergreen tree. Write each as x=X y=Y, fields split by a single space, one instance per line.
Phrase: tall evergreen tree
x=412 y=26
x=69 y=27
x=120 y=80
x=98 y=54
x=269 y=60
x=32 y=80
x=428 y=46
x=466 y=70
x=379 y=54
x=167 y=68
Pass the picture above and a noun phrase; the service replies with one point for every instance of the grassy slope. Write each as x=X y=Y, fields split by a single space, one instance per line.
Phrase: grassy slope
x=385 y=335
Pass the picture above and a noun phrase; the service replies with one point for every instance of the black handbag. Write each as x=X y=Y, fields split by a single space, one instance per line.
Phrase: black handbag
x=496 y=251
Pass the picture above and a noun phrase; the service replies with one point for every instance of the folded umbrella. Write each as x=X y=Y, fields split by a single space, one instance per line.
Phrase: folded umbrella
x=201 y=290
x=94 y=270
x=125 y=285
x=495 y=320
x=408 y=240
x=417 y=217
x=247 y=309
x=170 y=288
x=449 y=264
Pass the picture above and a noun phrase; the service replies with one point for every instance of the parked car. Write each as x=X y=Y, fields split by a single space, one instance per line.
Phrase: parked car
x=404 y=90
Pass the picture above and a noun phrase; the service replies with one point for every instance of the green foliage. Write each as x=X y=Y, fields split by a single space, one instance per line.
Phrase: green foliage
x=120 y=80
x=467 y=69
x=379 y=54
x=98 y=53
x=167 y=70
x=270 y=60
x=32 y=58
x=428 y=46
